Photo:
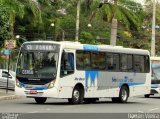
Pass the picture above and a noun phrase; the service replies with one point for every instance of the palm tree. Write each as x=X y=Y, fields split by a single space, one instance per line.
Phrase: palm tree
x=15 y=8
x=18 y=8
x=127 y=12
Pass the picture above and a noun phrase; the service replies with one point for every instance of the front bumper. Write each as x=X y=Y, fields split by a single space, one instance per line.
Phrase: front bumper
x=53 y=92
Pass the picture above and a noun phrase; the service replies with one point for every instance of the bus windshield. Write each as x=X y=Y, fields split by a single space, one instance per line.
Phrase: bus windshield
x=156 y=71
x=38 y=64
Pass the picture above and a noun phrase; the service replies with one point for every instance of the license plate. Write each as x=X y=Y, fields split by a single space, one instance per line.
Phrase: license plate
x=33 y=92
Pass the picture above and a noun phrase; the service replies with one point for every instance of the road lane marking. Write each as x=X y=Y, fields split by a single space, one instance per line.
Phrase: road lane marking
x=153 y=109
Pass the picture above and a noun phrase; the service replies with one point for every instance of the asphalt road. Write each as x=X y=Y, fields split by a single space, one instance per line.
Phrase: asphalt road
x=134 y=105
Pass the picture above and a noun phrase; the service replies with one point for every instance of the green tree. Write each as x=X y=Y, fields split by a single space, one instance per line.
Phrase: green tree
x=19 y=8
x=4 y=25
x=128 y=12
x=11 y=10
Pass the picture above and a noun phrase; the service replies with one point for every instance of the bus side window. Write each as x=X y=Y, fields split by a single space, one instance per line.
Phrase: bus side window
x=139 y=63
x=67 y=64
x=112 y=62
x=126 y=63
x=147 y=64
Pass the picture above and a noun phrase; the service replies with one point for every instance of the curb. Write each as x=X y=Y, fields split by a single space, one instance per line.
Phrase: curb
x=9 y=97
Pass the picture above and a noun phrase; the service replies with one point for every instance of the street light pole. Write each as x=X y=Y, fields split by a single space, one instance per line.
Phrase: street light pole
x=8 y=71
x=153 y=29
x=52 y=25
x=77 y=20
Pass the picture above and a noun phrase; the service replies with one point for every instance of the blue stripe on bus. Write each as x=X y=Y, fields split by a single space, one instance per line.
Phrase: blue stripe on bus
x=34 y=88
x=131 y=83
x=40 y=88
x=90 y=47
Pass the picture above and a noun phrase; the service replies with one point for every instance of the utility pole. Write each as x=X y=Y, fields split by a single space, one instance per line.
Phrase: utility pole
x=153 y=29
x=114 y=26
x=8 y=71
x=77 y=20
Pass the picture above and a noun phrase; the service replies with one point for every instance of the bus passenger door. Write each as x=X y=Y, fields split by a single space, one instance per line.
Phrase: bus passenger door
x=67 y=74
x=67 y=64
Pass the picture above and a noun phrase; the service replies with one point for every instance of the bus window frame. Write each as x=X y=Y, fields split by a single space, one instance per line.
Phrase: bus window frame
x=64 y=58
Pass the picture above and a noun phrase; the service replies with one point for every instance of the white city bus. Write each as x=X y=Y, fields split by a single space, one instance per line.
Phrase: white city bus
x=81 y=72
x=155 y=77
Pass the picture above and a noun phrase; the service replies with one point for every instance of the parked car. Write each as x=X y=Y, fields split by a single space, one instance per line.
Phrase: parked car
x=3 y=79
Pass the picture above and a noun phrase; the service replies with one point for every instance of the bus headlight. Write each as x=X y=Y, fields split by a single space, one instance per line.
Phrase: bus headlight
x=51 y=85
x=17 y=83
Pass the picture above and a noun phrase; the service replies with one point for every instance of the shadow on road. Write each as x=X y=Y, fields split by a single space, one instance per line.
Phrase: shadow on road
x=151 y=97
x=99 y=102
x=154 y=98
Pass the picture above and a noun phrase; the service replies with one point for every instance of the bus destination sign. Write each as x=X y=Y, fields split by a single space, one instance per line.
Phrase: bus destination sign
x=41 y=47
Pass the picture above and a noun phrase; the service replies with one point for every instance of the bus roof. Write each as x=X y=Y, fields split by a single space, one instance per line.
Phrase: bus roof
x=88 y=47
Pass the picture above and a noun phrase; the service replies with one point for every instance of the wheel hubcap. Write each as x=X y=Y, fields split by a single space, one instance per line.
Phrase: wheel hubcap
x=76 y=95
x=124 y=94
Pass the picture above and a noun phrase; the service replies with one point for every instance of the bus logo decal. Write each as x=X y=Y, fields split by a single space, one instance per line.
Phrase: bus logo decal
x=130 y=82
x=92 y=75
x=125 y=79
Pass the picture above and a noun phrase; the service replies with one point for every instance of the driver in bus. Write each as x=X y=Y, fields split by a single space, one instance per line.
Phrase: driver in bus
x=53 y=61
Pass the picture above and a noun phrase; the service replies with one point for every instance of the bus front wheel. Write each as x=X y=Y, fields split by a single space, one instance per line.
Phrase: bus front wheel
x=40 y=100
x=77 y=96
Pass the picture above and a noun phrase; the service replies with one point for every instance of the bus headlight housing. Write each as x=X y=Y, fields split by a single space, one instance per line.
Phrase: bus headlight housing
x=51 y=85
x=17 y=83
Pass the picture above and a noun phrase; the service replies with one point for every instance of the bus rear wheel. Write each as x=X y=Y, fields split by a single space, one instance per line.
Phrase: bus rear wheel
x=123 y=95
x=77 y=96
x=40 y=100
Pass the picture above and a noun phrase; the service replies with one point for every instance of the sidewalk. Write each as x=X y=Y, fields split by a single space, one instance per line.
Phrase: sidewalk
x=7 y=96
